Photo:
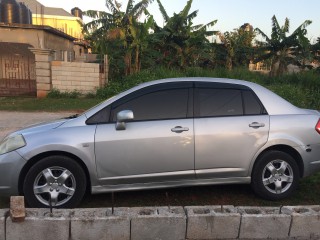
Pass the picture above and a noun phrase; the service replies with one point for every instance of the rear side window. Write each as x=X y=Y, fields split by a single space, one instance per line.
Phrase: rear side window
x=252 y=105
x=219 y=102
x=211 y=102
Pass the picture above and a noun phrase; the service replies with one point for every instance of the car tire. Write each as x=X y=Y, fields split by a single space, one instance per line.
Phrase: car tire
x=58 y=178
x=275 y=175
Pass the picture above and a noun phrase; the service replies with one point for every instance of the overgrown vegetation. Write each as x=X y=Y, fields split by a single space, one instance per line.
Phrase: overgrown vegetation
x=133 y=46
x=301 y=89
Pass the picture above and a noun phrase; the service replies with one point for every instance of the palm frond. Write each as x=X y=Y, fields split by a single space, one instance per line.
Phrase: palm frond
x=163 y=12
x=184 y=13
x=140 y=7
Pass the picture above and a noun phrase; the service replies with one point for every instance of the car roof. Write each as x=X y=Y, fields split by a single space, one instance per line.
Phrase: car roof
x=274 y=104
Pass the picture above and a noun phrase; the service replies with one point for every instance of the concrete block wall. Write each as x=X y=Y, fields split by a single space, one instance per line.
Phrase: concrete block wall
x=158 y=223
x=3 y=213
x=305 y=221
x=101 y=223
x=173 y=223
x=263 y=223
x=39 y=224
x=70 y=76
x=212 y=222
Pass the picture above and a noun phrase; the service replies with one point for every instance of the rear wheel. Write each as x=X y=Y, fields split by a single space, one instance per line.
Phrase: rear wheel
x=58 y=181
x=275 y=175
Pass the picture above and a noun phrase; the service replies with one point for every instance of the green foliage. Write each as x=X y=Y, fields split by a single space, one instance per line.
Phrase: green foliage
x=301 y=89
x=236 y=47
x=284 y=50
x=55 y=93
x=180 y=44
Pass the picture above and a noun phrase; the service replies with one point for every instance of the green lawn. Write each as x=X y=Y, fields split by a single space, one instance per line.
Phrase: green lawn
x=47 y=104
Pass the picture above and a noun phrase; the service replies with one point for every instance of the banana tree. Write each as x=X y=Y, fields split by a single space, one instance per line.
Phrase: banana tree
x=180 y=43
x=281 y=49
x=118 y=29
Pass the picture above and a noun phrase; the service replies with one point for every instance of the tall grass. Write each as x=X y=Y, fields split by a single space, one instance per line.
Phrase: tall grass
x=302 y=89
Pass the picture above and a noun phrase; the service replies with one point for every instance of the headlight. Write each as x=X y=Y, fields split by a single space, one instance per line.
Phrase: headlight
x=12 y=143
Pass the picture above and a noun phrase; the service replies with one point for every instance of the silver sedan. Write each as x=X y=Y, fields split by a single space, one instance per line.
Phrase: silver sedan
x=165 y=133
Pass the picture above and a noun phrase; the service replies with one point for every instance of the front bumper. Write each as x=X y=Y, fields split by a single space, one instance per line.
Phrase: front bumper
x=11 y=165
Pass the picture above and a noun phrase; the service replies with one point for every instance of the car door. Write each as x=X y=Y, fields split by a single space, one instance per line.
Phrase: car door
x=157 y=145
x=231 y=125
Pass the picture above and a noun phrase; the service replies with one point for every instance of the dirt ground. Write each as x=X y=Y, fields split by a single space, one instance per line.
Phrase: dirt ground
x=11 y=121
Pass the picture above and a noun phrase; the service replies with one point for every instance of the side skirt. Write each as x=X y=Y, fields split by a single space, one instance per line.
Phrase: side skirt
x=173 y=184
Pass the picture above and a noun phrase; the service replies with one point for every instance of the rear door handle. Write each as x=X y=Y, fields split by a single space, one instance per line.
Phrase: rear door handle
x=179 y=129
x=256 y=125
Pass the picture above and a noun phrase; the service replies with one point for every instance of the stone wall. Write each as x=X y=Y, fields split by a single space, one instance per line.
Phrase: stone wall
x=76 y=76
x=174 y=223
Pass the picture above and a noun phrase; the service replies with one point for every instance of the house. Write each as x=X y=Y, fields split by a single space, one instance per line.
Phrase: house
x=20 y=45
x=35 y=58
x=58 y=18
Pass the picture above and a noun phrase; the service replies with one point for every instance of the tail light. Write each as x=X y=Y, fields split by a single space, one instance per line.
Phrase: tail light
x=318 y=126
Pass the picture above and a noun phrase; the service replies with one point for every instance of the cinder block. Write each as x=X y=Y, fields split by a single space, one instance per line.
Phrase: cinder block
x=305 y=221
x=42 y=58
x=46 y=80
x=212 y=222
x=92 y=224
x=3 y=214
x=43 y=86
x=43 y=65
x=43 y=72
x=263 y=222
x=39 y=224
x=56 y=63
x=160 y=223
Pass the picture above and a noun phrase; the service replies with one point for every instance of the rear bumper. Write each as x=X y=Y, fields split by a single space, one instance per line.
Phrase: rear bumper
x=311 y=158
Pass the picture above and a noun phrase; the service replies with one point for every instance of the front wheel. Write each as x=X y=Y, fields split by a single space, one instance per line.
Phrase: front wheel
x=275 y=176
x=56 y=181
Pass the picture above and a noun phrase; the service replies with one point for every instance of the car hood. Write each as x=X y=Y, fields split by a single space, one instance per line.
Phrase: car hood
x=40 y=127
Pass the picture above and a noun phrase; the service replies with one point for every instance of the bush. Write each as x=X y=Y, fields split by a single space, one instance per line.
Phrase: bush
x=55 y=93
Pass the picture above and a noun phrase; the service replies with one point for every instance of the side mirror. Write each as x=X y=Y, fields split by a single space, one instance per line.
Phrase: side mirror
x=123 y=117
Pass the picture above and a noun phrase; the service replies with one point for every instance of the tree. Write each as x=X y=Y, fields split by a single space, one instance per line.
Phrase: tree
x=116 y=30
x=281 y=49
x=179 y=42
x=237 y=46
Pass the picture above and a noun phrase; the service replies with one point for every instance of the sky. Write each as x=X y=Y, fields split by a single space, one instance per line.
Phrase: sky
x=230 y=14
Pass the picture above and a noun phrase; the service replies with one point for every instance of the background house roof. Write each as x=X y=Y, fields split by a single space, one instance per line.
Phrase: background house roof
x=38 y=8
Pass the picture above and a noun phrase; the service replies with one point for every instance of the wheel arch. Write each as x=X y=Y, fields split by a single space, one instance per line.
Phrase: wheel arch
x=40 y=156
x=286 y=149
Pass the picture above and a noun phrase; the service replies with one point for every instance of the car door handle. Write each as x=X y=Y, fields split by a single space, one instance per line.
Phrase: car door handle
x=256 y=125
x=179 y=129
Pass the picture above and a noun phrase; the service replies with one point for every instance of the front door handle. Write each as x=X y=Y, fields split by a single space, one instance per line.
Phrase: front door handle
x=179 y=129
x=256 y=125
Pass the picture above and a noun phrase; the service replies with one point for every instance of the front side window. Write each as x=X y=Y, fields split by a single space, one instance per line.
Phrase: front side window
x=162 y=104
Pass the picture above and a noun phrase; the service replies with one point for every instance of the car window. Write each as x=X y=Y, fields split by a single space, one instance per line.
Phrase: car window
x=100 y=117
x=252 y=105
x=211 y=102
x=162 y=104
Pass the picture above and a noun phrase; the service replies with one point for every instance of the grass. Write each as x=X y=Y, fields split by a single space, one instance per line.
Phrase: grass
x=303 y=89
x=238 y=195
x=47 y=104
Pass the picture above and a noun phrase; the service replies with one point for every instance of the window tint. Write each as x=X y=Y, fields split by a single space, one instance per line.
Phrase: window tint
x=164 y=104
x=251 y=104
x=100 y=117
x=218 y=102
